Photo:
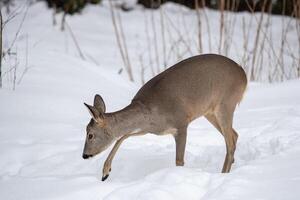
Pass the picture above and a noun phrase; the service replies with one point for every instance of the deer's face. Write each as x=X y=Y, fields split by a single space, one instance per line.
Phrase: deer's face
x=97 y=136
x=97 y=139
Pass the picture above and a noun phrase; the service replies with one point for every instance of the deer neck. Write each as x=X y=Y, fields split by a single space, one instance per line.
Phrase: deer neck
x=132 y=119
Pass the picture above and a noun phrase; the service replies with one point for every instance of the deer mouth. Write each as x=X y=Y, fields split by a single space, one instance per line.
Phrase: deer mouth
x=86 y=156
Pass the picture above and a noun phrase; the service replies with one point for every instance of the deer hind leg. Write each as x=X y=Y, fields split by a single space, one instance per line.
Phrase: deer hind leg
x=180 y=140
x=224 y=117
x=213 y=120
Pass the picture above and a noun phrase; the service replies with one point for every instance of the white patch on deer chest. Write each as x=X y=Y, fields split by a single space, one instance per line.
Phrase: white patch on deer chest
x=135 y=131
x=172 y=131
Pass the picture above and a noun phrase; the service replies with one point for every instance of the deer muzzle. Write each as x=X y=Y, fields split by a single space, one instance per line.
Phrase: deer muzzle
x=86 y=156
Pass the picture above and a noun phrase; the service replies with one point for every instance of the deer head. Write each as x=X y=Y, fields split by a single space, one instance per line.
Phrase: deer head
x=98 y=137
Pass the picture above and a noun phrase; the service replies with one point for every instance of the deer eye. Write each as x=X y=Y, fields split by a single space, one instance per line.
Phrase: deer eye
x=90 y=136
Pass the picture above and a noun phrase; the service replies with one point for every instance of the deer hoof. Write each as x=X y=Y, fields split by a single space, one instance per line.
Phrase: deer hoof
x=105 y=177
x=179 y=163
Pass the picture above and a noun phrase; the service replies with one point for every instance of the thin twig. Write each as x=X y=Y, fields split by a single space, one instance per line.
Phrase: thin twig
x=118 y=37
x=162 y=27
x=181 y=38
x=199 y=25
x=222 y=5
x=75 y=41
x=26 y=62
x=1 y=27
x=18 y=31
x=155 y=41
x=207 y=26
x=123 y=39
x=148 y=44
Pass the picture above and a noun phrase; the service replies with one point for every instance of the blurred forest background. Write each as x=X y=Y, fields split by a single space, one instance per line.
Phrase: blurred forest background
x=252 y=40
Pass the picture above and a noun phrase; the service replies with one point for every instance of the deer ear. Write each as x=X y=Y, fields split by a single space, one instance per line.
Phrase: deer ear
x=99 y=103
x=96 y=115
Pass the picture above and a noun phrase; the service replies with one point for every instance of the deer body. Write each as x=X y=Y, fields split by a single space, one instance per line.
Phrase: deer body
x=206 y=85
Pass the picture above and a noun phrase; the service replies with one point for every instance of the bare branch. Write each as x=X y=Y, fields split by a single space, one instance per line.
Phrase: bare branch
x=1 y=27
x=18 y=31
x=118 y=37
x=75 y=41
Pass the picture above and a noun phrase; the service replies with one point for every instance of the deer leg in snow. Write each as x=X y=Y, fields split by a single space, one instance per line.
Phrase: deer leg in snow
x=180 y=139
x=213 y=120
x=224 y=117
x=108 y=161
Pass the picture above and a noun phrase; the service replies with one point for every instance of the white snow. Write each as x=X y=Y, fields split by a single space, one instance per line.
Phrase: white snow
x=42 y=126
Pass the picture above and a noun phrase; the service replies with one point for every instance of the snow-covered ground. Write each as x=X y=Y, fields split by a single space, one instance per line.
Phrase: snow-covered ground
x=42 y=126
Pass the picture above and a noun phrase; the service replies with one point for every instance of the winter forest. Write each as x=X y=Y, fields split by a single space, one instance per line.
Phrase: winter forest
x=56 y=55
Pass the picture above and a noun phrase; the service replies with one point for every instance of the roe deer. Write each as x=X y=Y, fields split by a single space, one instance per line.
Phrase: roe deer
x=205 y=85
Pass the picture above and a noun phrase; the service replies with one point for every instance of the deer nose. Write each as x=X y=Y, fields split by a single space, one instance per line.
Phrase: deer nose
x=85 y=156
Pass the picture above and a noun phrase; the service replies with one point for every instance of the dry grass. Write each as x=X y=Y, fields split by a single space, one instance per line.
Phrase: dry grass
x=170 y=38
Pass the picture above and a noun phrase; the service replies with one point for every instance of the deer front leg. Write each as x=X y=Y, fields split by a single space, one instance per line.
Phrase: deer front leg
x=108 y=161
x=180 y=140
